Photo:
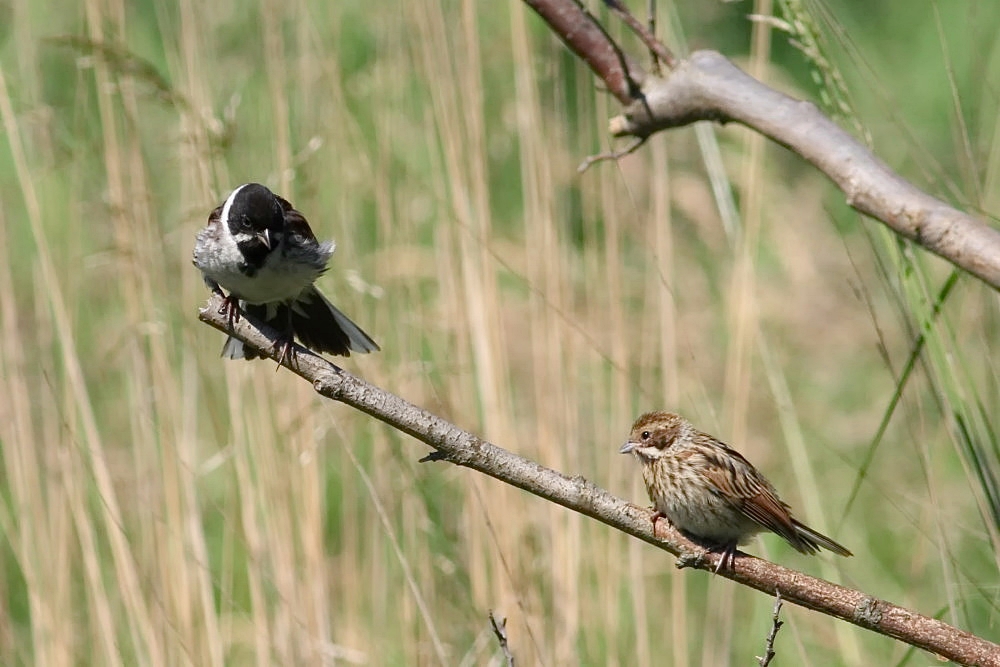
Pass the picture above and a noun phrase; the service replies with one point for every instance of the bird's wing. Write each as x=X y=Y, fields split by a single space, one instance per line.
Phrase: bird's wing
x=735 y=478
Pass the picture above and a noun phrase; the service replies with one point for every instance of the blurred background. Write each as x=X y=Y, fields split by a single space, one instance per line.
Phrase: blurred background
x=160 y=506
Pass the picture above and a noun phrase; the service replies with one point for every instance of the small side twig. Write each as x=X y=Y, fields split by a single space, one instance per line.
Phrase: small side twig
x=655 y=46
x=651 y=26
x=590 y=160
x=765 y=660
x=500 y=630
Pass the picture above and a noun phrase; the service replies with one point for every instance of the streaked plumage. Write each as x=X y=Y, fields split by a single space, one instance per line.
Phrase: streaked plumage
x=709 y=491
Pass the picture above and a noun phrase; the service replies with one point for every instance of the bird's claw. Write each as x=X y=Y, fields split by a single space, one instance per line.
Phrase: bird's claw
x=728 y=558
x=287 y=350
x=230 y=308
x=657 y=515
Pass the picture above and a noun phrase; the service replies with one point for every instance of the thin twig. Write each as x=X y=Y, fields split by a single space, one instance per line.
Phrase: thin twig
x=500 y=630
x=655 y=46
x=610 y=155
x=651 y=26
x=765 y=660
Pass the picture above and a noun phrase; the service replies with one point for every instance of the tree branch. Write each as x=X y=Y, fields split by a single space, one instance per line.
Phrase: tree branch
x=580 y=495
x=707 y=86
x=585 y=37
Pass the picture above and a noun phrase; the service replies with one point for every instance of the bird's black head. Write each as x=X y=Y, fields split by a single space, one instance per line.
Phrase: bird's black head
x=255 y=220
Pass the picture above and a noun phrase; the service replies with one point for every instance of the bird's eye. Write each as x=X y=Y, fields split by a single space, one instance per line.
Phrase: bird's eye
x=645 y=435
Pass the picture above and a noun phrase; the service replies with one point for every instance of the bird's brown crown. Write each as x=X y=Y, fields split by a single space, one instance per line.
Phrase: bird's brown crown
x=657 y=429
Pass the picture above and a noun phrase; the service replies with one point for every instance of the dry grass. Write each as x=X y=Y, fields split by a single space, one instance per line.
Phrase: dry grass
x=162 y=507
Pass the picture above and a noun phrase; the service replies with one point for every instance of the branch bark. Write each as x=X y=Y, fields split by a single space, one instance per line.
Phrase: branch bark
x=460 y=447
x=707 y=86
x=584 y=36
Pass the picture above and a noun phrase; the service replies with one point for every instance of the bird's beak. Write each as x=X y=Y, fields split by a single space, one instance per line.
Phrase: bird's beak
x=627 y=448
x=265 y=238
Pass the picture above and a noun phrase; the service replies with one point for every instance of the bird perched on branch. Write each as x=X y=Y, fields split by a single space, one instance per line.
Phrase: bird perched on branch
x=710 y=492
x=257 y=246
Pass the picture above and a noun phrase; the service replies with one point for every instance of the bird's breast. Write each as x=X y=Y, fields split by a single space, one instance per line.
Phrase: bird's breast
x=680 y=492
x=280 y=277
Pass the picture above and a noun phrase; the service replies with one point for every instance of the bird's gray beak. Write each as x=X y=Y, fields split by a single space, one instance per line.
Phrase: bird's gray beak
x=265 y=238
x=627 y=448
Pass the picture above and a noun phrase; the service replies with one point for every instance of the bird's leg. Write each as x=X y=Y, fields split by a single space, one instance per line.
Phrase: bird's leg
x=657 y=515
x=230 y=304
x=728 y=551
x=285 y=341
x=230 y=308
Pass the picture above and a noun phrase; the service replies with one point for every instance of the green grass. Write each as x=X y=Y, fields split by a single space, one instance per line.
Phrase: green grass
x=160 y=506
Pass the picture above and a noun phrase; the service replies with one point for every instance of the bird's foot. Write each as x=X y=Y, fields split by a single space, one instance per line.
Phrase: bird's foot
x=728 y=558
x=284 y=347
x=726 y=550
x=657 y=515
x=230 y=308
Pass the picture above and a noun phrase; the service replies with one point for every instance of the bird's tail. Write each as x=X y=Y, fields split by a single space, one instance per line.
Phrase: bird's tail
x=235 y=349
x=323 y=328
x=810 y=541
x=317 y=323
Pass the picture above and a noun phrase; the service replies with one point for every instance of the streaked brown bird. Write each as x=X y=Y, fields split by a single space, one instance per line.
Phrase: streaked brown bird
x=710 y=492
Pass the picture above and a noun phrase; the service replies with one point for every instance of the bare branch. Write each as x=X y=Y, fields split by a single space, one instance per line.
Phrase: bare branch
x=707 y=86
x=585 y=37
x=580 y=495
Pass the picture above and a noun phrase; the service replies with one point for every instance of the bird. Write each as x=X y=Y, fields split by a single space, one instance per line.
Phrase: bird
x=262 y=250
x=710 y=492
